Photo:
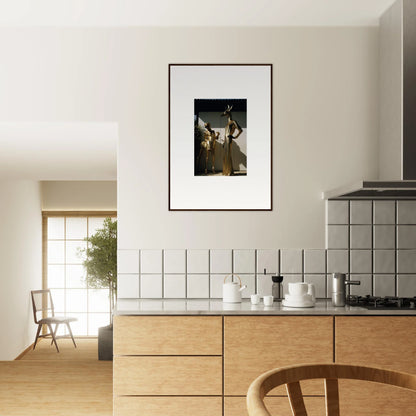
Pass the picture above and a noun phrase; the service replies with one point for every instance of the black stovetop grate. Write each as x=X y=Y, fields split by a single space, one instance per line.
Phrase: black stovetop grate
x=387 y=302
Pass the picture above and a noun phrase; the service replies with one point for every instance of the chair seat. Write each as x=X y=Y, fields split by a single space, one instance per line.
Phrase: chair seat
x=57 y=320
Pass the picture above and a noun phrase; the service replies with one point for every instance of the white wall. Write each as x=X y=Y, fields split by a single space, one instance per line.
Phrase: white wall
x=20 y=264
x=325 y=118
x=79 y=195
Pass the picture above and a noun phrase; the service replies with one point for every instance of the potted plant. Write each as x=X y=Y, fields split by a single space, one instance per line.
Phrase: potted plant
x=101 y=267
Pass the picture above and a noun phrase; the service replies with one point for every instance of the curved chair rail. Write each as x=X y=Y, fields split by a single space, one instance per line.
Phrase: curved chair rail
x=291 y=376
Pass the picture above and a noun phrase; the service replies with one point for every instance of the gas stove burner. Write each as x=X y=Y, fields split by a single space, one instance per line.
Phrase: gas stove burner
x=388 y=302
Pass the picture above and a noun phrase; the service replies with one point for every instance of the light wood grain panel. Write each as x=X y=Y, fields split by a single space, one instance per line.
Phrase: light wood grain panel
x=368 y=399
x=179 y=376
x=279 y=406
x=168 y=406
x=253 y=345
x=381 y=341
x=167 y=335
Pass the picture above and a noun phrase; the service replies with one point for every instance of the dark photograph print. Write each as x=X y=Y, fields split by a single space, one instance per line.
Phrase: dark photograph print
x=220 y=140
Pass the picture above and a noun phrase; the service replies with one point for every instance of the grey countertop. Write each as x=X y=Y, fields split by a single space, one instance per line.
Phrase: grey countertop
x=217 y=307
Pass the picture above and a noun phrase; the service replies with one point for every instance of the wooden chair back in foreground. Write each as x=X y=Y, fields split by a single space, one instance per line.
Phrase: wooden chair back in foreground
x=291 y=376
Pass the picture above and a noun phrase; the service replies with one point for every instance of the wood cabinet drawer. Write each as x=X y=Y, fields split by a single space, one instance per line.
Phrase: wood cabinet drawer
x=167 y=335
x=253 y=345
x=368 y=399
x=181 y=376
x=168 y=406
x=381 y=341
x=236 y=406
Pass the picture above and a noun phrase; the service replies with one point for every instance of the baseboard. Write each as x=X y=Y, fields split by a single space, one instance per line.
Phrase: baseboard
x=22 y=354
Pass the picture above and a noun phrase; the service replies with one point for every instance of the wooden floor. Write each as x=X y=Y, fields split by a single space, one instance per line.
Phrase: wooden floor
x=43 y=382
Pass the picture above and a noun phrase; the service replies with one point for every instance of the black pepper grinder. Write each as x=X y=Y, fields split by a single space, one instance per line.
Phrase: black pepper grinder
x=277 y=288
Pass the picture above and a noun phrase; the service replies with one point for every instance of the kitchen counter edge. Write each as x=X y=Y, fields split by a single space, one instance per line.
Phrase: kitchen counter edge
x=202 y=307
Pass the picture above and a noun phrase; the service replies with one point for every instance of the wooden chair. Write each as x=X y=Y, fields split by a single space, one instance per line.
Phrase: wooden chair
x=42 y=303
x=291 y=376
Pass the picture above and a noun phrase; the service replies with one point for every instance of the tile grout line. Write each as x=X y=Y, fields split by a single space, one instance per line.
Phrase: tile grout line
x=396 y=251
x=372 y=248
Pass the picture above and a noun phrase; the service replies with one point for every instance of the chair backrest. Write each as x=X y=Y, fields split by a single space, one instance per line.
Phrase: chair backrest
x=42 y=303
x=291 y=376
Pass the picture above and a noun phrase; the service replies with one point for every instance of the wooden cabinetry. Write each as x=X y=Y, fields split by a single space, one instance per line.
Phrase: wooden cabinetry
x=167 y=365
x=253 y=345
x=381 y=341
x=203 y=365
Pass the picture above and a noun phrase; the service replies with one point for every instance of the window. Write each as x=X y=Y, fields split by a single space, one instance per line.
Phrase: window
x=64 y=273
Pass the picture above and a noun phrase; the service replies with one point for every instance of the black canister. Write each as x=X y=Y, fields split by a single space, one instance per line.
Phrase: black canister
x=277 y=288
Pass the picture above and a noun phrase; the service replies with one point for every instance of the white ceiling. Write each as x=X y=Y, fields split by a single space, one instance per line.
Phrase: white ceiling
x=58 y=151
x=191 y=12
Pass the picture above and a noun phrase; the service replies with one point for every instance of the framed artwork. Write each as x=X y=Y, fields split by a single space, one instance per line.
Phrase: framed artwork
x=220 y=137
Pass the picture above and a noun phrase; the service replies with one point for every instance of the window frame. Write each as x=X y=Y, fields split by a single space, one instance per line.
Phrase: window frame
x=65 y=214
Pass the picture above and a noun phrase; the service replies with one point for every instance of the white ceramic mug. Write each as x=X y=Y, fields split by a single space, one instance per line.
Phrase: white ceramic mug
x=268 y=300
x=255 y=299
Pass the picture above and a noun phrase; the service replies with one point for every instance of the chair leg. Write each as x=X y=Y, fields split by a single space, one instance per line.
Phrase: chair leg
x=56 y=330
x=53 y=337
x=70 y=333
x=37 y=335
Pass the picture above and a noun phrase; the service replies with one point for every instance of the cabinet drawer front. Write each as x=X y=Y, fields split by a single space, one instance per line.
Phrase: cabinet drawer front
x=253 y=345
x=181 y=376
x=381 y=341
x=236 y=406
x=368 y=399
x=168 y=406
x=167 y=335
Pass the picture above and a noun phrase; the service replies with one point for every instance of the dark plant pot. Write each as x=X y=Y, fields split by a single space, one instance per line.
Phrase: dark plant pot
x=105 y=343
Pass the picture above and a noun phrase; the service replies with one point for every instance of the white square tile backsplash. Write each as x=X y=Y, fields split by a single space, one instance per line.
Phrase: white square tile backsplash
x=264 y=284
x=267 y=260
x=384 y=212
x=373 y=241
x=365 y=286
x=198 y=286
x=314 y=261
x=361 y=261
x=291 y=261
x=337 y=212
x=337 y=236
x=127 y=261
x=361 y=212
x=250 y=281
x=244 y=261
x=151 y=261
x=174 y=286
x=221 y=261
x=128 y=286
x=384 y=285
x=197 y=261
x=151 y=286
x=384 y=237
x=175 y=261
x=406 y=212
x=360 y=236
x=215 y=285
x=319 y=280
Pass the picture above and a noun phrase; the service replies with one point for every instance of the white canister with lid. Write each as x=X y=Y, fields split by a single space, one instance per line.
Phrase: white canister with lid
x=231 y=291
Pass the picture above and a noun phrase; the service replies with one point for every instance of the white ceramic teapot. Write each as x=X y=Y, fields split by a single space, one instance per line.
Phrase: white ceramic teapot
x=231 y=291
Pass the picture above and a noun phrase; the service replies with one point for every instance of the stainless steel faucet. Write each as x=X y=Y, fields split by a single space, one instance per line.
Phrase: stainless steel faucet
x=339 y=284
